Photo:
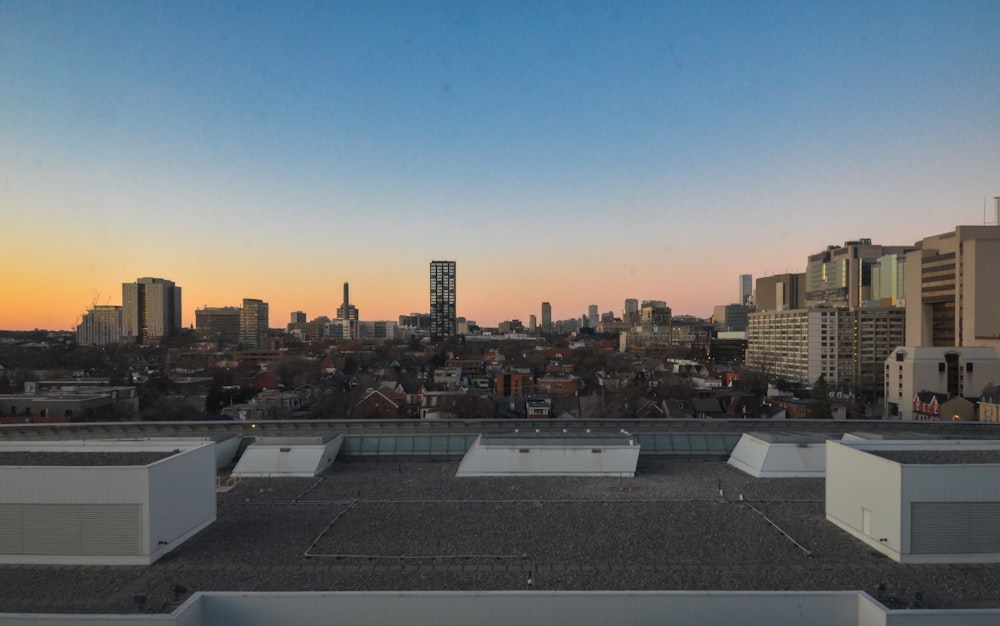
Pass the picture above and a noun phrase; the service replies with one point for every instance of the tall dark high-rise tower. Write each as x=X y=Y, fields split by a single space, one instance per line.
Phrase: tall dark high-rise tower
x=442 y=299
x=253 y=323
x=151 y=310
x=347 y=311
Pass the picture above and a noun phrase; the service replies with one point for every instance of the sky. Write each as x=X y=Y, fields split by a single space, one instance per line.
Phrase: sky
x=571 y=152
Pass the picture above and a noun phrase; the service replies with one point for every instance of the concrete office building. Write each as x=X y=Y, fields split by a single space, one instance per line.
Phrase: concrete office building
x=221 y=324
x=953 y=287
x=842 y=275
x=376 y=331
x=253 y=323
x=731 y=317
x=443 y=294
x=956 y=372
x=100 y=326
x=781 y=292
x=151 y=310
x=889 y=280
x=847 y=347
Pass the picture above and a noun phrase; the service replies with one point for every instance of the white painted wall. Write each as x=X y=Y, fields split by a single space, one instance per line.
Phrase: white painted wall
x=763 y=459
x=549 y=460
x=182 y=499
x=500 y=608
x=176 y=494
x=287 y=458
x=505 y=608
x=856 y=480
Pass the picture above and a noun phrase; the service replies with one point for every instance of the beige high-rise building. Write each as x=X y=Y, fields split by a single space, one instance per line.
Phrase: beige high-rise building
x=151 y=310
x=781 y=292
x=848 y=347
x=253 y=323
x=953 y=289
x=100 y=326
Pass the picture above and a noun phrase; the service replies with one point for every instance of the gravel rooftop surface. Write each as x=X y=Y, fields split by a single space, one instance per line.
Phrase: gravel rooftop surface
x=940 y=457
x=411 y=525
x=87 y=459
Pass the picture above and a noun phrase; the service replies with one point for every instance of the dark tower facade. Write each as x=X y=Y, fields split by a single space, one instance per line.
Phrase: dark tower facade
x=347 y=311
x=442 y=299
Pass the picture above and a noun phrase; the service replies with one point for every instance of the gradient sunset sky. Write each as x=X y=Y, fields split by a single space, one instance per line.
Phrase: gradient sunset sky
x=574 y=152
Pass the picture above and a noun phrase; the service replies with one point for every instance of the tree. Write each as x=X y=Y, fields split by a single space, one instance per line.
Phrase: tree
x=820 y=408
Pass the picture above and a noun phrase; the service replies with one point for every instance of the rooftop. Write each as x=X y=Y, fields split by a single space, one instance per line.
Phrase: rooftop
x=81 y=459
x=940 y=457
x=686 y=523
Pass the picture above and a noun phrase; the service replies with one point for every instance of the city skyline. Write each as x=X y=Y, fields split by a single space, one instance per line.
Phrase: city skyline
x=557 y=152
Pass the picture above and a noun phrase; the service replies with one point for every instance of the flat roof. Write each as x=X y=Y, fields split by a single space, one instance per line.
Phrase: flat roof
x=81 y=459
x=412 y=525
x=541 y=439
x=799 y=438
x=297 y=440
x=939 y=457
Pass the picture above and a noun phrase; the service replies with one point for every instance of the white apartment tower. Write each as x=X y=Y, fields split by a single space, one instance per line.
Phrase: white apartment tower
x=100 y=326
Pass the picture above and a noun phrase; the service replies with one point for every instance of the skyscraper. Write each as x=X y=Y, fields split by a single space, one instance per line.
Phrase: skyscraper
x=746 y=289
x=151 y=310
x=952 y=289
x=592 y=316
x=100 y=326
x=253 y=323
x=546 y=317
x=630 y=313
x=442 y=299
x=347 y=311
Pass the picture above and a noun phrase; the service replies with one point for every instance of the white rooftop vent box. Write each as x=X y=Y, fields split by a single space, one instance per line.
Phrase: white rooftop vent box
x=918 y=501
x=773 y=455
x=301 y=457
x=88 y=503
x=551 y=454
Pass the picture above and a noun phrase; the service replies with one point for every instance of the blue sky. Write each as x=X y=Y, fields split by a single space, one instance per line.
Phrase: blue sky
x=576 y=152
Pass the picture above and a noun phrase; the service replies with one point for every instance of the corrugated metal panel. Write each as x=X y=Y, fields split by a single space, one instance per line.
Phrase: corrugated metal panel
x=71 y=529
x=954 y=527
x=10 y=529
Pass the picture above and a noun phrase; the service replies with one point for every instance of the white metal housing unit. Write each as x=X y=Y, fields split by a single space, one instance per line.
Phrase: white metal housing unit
x=288 y=456
x=496 y=608
x=551 y=454
x=918 y=501
x=99 y=504
x=766 y=455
